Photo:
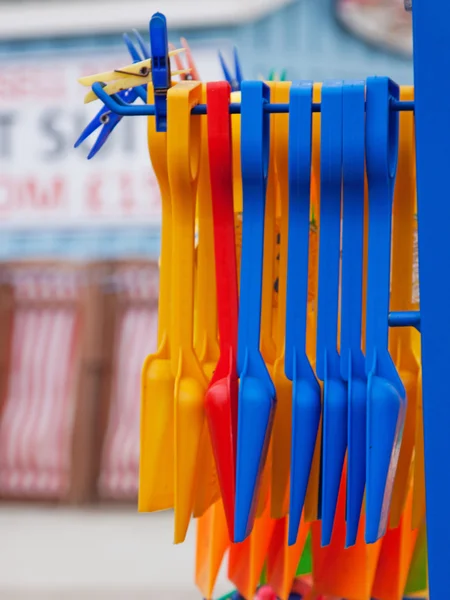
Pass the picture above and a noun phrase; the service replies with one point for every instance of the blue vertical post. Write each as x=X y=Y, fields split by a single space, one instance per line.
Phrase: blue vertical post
x=431 y=29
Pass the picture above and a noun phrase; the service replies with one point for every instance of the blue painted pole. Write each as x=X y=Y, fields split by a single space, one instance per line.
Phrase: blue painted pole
x=431 y=30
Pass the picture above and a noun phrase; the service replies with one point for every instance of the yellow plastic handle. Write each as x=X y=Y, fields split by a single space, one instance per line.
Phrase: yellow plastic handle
x=206 y=343
x=183 y=148
x=157 y=147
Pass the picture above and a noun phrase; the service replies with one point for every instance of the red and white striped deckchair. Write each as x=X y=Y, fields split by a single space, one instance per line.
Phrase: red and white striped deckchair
x=6 y=313
x=50 y=411
x=136 y=336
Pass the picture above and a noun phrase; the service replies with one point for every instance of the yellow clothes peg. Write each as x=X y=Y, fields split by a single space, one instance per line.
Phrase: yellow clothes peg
x=205 y=334
x=211 y=546
x=281 y=438
x=312 y=495
x=401 y=299
x=156 y=473
x=124 y=78
x=183 y=152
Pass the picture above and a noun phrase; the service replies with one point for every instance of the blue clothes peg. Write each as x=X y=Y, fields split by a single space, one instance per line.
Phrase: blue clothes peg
x=256 y=402
x=234 y=80
x=159 y=46
x=107 y=120
x=352 y=358
x=334 y=439
x=306 y=394
x=386 y=398
x=145 y=50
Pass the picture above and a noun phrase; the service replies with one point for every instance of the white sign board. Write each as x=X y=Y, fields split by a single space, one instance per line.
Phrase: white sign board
x=44 y=181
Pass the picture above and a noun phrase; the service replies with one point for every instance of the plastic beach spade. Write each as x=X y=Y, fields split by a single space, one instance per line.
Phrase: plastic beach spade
x=222 y=395
x=183 y=148
x=256 y=392
x=401 y=299
x=334 y=441
x=306 y=398
x=385 y=392
x=352 y=358
x=205 y=321
x=281 y=436
x=156 y=477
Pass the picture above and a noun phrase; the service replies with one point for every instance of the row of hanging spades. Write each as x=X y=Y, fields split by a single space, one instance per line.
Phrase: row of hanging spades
x=279 y=410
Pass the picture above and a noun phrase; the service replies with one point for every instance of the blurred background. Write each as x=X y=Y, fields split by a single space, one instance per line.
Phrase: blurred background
x=79 y=243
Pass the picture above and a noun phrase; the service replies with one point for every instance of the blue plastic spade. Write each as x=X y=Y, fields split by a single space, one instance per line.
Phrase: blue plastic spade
x=352 y=358
x=334 y=440
x=306 y=394
x=386 y=397
x=256 y=402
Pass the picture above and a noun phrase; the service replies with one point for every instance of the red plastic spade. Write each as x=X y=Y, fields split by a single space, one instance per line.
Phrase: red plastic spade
x=222 y=394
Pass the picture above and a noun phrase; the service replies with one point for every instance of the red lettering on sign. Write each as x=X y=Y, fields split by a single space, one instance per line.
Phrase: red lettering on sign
x=127 y=200
x=40 y=195
x=34 y=83
x=93 y=197
x=20 y=194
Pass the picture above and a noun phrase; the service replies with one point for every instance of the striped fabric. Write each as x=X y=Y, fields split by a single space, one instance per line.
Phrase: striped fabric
x=36 y=425
x=136 y=337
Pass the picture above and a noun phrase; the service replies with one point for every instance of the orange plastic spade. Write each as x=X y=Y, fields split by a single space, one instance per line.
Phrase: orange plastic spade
x=401 y=299
x=395 y=557
x=281 y=435
x=156 y=476
x=205 y=330
x=212 y=543
x=246 y=559
x=183 y=149
x=337 y=571
x=283 y=560
x=222 y=395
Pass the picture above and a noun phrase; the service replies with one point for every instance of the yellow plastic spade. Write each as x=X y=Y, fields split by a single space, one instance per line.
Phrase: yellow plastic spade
x=401 y=299
x=312 y=495
x=156 y=476
x=206 y=344
x=183 y=151
x=281 y=435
